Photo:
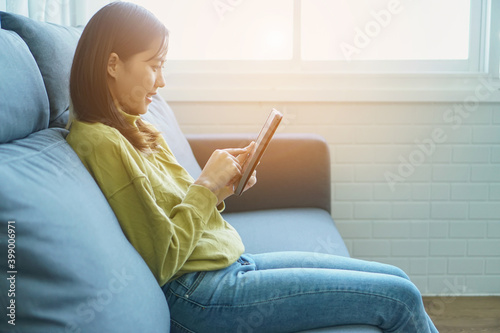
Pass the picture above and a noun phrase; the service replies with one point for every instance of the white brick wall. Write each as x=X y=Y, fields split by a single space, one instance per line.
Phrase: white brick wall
x=439 y=221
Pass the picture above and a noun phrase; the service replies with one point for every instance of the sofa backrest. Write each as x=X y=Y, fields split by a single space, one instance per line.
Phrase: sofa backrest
x=24 y=105
x=73 y=269
x=53 y=47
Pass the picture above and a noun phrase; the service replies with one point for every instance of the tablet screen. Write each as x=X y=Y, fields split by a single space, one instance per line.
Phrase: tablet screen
x=265 y=136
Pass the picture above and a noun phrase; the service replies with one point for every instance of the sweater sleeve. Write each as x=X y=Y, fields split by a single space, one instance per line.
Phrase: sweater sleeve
x=164 y=234
x=165 y=239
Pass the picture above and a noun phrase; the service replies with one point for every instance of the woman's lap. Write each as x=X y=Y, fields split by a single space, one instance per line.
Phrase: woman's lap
x=276 y=260
x=290 y=291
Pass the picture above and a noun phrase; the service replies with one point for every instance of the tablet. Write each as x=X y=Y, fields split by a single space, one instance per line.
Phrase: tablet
x=265 y=136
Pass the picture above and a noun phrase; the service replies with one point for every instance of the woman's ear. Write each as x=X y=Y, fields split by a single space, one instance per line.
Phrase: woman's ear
x=113 y=64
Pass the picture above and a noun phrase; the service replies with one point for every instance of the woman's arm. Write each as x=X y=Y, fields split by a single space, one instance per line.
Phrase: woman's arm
x=163 y=225
x=164 y=236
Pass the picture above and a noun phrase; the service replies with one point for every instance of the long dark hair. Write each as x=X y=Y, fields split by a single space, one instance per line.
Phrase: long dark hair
x=126 y=29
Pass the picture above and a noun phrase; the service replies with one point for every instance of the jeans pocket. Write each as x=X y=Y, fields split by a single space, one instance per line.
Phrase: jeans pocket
x=193 y=283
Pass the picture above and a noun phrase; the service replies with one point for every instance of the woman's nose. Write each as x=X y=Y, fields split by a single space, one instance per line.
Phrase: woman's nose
x=160 y=81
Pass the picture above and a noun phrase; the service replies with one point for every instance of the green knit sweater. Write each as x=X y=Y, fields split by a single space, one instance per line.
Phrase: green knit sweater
x=173 y=223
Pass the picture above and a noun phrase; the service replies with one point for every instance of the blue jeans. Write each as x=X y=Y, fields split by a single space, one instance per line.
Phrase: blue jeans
x=294 y=291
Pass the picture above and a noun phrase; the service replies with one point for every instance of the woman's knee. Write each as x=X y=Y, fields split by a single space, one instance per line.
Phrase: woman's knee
x=407 y=293
x=396 y=271
x=407 y=312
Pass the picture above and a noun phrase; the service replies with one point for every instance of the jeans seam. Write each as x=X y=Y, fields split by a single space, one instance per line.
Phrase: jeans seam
x=289 y=296
x=181 y=327
x=182 y=282
x=195 y=285
x=283 y=297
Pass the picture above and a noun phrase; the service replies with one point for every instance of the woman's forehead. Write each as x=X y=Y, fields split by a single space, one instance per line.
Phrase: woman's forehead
x=157 y=49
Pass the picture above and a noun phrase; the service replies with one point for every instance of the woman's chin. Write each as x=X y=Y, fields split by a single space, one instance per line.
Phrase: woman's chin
x=141 y=108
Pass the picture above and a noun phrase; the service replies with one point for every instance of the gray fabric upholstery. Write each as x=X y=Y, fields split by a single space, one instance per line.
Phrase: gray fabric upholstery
x=27 y=108
x=293 y=229
x=52 y=47
x=294 y=172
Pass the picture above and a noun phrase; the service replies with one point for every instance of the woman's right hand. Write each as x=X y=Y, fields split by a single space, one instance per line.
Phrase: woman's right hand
x=223 y=168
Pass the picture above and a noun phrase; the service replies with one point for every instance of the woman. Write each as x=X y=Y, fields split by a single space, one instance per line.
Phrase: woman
x=174 y=221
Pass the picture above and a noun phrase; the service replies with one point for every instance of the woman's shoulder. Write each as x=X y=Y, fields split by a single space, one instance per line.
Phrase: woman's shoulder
x=78 y=126
x=83 y=129
x=93 y=134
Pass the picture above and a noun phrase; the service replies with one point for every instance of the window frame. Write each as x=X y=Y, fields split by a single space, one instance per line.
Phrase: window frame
x=303 y=81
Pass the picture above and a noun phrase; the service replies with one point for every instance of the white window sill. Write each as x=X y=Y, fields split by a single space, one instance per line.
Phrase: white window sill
x=324 y=87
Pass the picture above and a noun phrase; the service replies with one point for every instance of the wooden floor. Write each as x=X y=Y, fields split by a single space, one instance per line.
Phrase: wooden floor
x=464 y=314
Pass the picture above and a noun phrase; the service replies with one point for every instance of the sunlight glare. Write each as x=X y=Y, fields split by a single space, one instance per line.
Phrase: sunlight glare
x=275 y=39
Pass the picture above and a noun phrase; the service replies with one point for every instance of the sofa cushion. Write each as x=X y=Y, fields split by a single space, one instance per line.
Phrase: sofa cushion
x=53 y=47
x=76 y=271
x=161 y=116
x=294 y=229
x=24 y=106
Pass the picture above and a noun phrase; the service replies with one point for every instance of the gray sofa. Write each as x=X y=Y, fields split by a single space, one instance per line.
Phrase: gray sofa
x=69 y=266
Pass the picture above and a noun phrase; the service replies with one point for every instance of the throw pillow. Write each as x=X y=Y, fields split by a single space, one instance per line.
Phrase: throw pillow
x=24 y=106
x=53 y=47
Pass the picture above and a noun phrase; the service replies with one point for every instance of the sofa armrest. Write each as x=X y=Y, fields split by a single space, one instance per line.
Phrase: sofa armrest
x=294 y=171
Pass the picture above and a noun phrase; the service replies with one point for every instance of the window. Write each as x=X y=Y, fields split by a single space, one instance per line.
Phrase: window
x=280 y=44
x=385 y=30
x=227 y=30
x=394 y=36
x=412 y=35
x=334 y=31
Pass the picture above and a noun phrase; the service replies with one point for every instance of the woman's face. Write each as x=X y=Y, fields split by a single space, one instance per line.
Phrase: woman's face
x=133 y=82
